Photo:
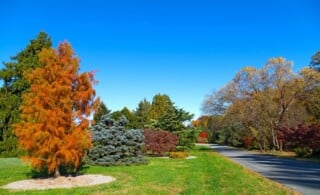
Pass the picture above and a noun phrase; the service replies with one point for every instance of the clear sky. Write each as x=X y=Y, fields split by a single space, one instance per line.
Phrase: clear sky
x=184 y=49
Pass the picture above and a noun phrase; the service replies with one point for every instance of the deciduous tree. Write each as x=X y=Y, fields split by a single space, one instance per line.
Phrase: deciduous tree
x=54 y=122
x=262 y=100
x=311 y=95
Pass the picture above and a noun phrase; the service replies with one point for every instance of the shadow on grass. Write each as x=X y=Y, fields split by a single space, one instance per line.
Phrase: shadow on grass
x=43 y=174
x=299 y=174
x=203 y=149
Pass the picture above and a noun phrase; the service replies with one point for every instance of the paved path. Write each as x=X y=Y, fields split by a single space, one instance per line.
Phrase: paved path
x=302 y=176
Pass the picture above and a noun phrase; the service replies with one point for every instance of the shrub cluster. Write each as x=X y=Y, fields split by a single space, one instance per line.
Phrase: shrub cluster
x=187 y=138
x=179 y=155
x=304 y=139
x=158 y=142
x=114 y=145
x=303 y=152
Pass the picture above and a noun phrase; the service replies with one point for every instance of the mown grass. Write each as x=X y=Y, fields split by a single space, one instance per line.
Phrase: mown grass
x=209 y=173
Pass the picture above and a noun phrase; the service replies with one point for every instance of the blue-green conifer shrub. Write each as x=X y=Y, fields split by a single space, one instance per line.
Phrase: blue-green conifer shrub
x=114 y=145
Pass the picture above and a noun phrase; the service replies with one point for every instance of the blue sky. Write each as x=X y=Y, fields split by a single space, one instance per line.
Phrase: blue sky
x=184 y=49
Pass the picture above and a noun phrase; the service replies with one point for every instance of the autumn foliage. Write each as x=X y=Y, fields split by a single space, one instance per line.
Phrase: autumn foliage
x=302 y=136
x=158 y=141
x=54 y=126
x=248 y=142
x=203 y=137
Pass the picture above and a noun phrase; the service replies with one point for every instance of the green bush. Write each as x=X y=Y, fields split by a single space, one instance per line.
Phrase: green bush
x=230 y=136
x=187 y=139
x=304 y=152
x=182 y=148
x=114 y=145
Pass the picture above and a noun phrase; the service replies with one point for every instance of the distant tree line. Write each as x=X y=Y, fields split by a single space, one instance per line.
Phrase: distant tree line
x=267 y=108
x=161 y=113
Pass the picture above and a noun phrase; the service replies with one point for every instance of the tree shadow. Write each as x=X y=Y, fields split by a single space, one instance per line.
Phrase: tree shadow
x=290 y=171
x=43 y=174
x=204 y=149
x=36 y=174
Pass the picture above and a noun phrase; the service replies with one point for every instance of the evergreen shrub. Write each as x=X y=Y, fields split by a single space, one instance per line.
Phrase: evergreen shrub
x=114 y=145
x=187 y=139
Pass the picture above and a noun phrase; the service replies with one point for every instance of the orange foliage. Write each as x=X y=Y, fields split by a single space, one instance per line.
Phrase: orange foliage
x=201 y=122
x=55 y=111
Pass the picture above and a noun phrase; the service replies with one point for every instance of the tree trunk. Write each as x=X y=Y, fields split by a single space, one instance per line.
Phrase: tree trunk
x=261 y=146
x=57 y=172
x=275 y=140
x=281 y=145
x=213 y=139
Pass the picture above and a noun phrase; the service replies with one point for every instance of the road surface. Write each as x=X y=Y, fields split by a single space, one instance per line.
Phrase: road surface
x=300 y=175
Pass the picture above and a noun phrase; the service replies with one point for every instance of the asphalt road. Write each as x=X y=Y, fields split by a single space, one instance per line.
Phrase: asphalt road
x=300 y=175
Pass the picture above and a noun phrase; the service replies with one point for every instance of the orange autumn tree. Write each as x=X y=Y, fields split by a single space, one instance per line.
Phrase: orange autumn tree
x=55 y=112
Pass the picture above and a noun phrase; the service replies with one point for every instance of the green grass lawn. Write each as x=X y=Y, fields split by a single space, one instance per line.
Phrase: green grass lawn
x=209 y=173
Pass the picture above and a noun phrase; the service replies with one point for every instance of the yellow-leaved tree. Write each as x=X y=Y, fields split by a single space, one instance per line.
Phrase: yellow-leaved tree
x=55 y=112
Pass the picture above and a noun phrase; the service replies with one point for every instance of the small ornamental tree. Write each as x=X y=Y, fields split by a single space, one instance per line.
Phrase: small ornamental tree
x=55 y=111
x=158 y=142
x=114 y=145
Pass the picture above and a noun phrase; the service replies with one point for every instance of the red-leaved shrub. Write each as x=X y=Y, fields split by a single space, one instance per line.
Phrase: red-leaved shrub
x=248 y=142
x=203 y=134
x=303 y=136
x=203 y=137
x=158 y=141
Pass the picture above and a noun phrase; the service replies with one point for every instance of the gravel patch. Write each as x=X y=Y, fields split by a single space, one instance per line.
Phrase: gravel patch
x=59 y=182
x=188 y=158
x=191 y=157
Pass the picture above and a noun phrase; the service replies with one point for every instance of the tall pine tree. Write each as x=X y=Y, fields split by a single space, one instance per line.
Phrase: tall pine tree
x=142 y=113
x=14 y=85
